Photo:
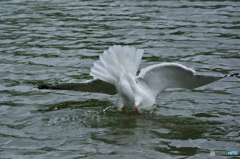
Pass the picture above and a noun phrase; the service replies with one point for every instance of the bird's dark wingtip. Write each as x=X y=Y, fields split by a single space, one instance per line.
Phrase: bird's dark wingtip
x=44 y=87
x=232 y=75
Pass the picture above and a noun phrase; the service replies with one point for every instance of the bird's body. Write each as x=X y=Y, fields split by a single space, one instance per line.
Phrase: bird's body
x=116 y=72
x=134 y=95
x=118 y=66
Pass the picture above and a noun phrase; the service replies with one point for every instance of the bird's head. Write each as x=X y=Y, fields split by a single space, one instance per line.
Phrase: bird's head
x=138 y=104
x=143 y=103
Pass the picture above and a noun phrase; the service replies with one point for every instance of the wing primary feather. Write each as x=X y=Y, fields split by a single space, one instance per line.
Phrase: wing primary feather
x=94 y=85
x=172 y=75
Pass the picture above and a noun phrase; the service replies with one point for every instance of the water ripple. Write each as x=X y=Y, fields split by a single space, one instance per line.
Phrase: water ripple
x=57 y=41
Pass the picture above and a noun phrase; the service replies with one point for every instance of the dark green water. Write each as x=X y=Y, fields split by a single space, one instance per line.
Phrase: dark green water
x=45 y=42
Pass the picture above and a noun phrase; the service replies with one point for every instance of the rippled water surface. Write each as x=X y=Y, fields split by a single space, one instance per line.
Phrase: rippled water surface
x=45 y=42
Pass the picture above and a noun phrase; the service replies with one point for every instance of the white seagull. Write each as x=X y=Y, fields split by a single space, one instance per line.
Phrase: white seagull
x=116 y=72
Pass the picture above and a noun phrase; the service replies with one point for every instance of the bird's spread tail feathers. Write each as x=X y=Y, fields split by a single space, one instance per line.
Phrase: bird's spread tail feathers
x=115 y=61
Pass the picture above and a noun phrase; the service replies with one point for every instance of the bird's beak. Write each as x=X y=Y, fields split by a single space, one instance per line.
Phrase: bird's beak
x=136 y=108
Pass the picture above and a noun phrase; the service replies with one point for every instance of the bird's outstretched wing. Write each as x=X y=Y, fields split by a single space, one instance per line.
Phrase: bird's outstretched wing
x=172 y=75
x=94 y=85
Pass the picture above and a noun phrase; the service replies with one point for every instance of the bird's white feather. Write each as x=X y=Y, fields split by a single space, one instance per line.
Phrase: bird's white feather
x=173 y=75
x=118 y=66
x=115 y=61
